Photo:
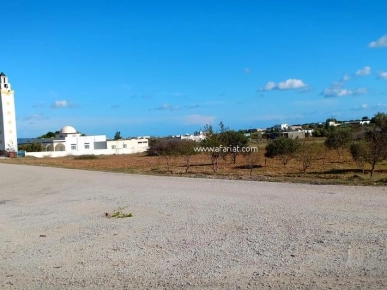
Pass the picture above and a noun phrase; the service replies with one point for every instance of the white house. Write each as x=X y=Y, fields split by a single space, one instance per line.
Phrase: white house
x=70 y=142
x=281 y=126
x=365 y=122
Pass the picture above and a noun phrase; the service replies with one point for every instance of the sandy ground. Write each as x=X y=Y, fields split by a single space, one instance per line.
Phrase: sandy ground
x=186 y=233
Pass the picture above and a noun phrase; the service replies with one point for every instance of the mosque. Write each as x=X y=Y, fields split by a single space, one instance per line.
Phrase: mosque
x=67 y=142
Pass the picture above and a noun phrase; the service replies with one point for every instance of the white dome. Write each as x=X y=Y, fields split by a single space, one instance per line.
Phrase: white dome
x=68 y=130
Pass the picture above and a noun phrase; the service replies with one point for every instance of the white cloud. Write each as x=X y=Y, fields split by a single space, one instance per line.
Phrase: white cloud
x=364 y=71
x=361 y=107
x=198 y=120
x=289 y=84
x=167 y=107
x=381 y=42
x=338 y=91
x=345 y=78
x=63 y=104
x=382 y=75
x=59 y=104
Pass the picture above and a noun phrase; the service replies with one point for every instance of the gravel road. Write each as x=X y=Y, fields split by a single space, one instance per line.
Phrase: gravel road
x=186 y=233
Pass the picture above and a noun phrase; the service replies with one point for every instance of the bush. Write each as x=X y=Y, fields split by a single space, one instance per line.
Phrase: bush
x=282 y=148
x=86 y=157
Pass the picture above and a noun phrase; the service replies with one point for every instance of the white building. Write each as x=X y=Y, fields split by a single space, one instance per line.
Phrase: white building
x=8 y=138
x=197 y=136
x=70 y=142
x=281 y=126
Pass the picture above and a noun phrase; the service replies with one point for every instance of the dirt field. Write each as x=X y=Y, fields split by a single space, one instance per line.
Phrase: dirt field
x=186 y=233
x=327 y=169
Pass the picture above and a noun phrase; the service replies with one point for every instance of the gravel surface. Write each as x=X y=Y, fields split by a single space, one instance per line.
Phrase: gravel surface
x=186 y=233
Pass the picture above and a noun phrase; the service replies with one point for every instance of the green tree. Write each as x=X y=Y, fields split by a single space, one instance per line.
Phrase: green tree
x=373 y=148
x=360 y=153
x=167 y=149
x=49 y=134
x=234 y=141
x=339 y=139
x=307 y=153
x=31 y=147
x=117 y=135
x=251 y=158
x=215 y=144
x=186 y=149
x=282 y=148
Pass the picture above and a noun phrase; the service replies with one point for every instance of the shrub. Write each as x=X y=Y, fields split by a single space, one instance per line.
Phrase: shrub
x=86 y=157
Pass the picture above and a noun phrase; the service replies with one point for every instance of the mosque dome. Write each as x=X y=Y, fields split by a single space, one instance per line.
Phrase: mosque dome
x=68 y=130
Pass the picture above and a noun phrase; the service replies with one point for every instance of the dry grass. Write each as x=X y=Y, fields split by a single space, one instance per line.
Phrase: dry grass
x=325 y=170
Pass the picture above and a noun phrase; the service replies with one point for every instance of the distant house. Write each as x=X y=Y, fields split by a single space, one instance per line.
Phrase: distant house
x=281 y=126
x=290 y=135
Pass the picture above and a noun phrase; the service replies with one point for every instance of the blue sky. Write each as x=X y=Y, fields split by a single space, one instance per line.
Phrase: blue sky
x=170 y=67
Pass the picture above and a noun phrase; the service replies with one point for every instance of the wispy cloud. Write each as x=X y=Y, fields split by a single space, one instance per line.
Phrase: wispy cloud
x=289 y=84
x=382 y=75
x=198 y=120
x=338 y=91
x=363 y=71
x=167 y=107
x=381 y=42
x=39 y=105
x=35 y=117
x=345 y=78
x=337 y=88
x=361 y=107
x=115 y=106
x=63 y=104
x=247 y=70
x=196 y=106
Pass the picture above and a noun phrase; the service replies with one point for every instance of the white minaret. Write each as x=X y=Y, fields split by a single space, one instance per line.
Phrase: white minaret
x=8 y=138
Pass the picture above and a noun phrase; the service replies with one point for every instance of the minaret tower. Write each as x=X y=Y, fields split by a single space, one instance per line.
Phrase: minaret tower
x=8 y=138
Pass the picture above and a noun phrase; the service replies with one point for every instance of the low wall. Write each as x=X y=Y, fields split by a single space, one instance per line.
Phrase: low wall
x=88 y=152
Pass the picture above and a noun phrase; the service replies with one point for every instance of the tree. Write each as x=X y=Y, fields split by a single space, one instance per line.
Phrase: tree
x=338 y=139
x=373 y=148
x=282 y=148
x=117 y=135
x=165 y=148
x=251 y=158
x=234 y=141
x=31 y=147
x=359 y=152
x=214 y=144
x=307 y=153
x=186 y=148
x=49 y=134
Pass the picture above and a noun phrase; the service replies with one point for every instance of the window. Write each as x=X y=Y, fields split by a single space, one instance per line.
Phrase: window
x=125 y=146
x=139 y=142
x=73 y=146
x=87 y=145
x=113 y=146
x=145 y=142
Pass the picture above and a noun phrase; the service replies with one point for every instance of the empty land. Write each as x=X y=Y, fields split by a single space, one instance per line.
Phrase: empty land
x=186 y=233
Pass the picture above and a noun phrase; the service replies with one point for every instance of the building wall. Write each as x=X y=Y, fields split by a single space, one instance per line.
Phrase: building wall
x=110 y=147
